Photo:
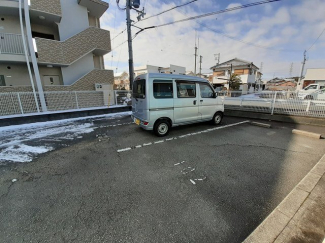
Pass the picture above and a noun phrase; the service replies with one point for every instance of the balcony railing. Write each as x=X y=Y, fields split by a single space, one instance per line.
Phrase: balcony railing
x=11 y=44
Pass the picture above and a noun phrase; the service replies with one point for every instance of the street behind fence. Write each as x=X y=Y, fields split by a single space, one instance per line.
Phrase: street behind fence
x=279 y=102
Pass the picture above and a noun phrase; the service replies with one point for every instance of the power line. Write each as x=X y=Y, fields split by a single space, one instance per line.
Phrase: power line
x=316 y=39
x=118 y=5
x=221 y=32
x=118 y=34
x=219 y=12
x=178 y=6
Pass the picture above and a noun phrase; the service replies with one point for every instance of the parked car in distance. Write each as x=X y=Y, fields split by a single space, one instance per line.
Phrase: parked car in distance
x=161 y=101
x=312 y=92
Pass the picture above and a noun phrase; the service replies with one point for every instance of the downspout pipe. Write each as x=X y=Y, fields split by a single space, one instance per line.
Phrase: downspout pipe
x=26 y=53
x=33 y=57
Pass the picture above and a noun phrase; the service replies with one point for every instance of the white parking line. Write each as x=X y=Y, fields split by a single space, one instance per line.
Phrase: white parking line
x=122 y=150
x=183 y=136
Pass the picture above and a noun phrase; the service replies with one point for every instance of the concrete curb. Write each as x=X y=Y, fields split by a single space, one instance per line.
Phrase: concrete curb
x=60 y=116
x=271 y=228
x=260 y=124
x=282 y=118
x=307 y=134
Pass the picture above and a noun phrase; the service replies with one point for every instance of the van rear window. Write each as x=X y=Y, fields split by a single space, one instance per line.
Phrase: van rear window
x=139 y=89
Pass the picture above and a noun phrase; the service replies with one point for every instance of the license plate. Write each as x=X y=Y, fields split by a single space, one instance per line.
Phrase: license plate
x=137 y=121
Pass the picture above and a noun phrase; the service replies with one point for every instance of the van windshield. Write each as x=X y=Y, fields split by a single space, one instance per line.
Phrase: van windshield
x=139 y=89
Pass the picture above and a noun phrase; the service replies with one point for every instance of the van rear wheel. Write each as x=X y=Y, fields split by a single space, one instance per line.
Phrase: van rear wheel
x=217 y=118
x=161 y=128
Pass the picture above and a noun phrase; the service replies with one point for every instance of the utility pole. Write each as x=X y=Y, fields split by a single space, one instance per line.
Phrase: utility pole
x=217 y=58
x=260 y=79
x=200 y=66
x=302 y=71
x=195 y=55
x=290 y=72
x=128 y=27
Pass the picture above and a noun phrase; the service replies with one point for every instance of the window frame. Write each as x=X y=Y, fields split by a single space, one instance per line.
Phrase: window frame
x=144 y=89
x=2 y=78
x=185 y=82
x=162 y=81
x=212 y=90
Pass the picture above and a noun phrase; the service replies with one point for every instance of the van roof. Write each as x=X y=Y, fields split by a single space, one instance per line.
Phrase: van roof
x=173 y=76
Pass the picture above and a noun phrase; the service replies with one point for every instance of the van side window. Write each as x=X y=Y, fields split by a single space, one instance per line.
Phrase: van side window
x=186 y=90
x=206 y=91
x=163 y=89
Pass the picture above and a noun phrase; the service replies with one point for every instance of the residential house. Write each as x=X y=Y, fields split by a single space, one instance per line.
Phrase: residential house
x=281 y=84
x=172 y=69
x=121 y=81
x=314 y=76
x=68 y=43
x=247 y=71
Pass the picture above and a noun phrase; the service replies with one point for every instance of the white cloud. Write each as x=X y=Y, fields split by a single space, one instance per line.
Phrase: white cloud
x=277 y=26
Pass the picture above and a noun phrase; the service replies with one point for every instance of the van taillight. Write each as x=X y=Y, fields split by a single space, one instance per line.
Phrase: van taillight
x=145 y=123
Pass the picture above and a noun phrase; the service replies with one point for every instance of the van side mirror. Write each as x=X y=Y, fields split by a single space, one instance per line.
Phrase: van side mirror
x=215 y=95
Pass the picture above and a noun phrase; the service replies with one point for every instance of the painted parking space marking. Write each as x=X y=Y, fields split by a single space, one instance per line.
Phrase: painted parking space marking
x=115 y=125
x=193 y=182
x=122 y=150
x=180 y=163
x=182 y=136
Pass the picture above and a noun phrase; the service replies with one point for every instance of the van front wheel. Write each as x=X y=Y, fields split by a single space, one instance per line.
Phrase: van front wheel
x=161 y=128
x=217 y=118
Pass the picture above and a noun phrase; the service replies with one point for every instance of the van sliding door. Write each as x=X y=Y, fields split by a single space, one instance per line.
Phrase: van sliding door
x=186 y=107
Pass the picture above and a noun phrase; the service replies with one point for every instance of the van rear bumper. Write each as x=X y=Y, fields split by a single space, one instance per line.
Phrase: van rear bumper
x=142 y=123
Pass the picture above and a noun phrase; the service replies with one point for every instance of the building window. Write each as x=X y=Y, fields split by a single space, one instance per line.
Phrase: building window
x=2 y=80
x=186 y=89
x=220 y=73
x=163 y=89
x=42 y=35
x=239 y=71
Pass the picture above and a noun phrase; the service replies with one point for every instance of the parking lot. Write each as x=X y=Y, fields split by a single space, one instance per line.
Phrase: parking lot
x=104 y=179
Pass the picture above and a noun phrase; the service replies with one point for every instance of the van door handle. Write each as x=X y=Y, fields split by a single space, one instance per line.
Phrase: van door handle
x=201 y=100
x=194 y=102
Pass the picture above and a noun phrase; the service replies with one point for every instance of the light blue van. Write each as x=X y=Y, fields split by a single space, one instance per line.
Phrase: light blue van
x=161 y=101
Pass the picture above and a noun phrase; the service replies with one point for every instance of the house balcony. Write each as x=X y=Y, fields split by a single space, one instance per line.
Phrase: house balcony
x=64 y=53
x=220 y=79
x=96 y=8
x=11 y=48
x=41 y=11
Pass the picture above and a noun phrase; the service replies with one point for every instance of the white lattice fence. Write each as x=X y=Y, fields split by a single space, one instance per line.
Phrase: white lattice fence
x=24 y=102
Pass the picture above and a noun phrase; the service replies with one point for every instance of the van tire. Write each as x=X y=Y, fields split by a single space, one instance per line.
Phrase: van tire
x=217 y=118
x=161 y=128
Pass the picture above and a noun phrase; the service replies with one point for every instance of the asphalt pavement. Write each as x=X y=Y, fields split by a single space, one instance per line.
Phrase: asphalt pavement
x=119 y=183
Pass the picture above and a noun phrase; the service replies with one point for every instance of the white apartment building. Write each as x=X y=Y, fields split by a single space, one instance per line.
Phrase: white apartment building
x=172 y=69
x=247 y=71
x=67 y=41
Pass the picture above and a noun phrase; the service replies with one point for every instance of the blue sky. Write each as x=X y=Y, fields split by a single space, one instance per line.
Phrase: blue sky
x=285 y=28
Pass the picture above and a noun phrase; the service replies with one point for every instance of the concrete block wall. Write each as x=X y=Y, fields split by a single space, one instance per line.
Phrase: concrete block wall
x=68 y=51
x=86 y=83
x=48 y=6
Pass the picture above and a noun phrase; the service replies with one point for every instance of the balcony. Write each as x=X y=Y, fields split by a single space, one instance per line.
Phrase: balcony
x=65 y=53
x=49 y=9
x=96 y=8
x=11 y=48
x=41 y=11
